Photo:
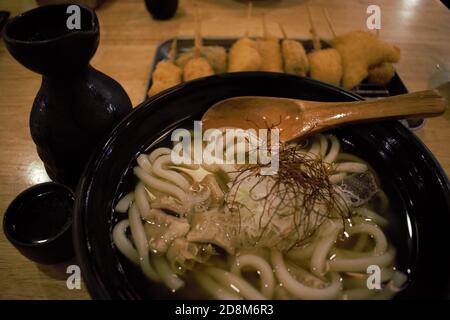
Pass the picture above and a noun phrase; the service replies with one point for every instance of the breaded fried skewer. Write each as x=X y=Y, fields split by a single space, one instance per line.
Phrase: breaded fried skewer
x=269 y=49
x=355 y=70
x=244 y=54
x=381 y=73
x=324 y=64
x=166 y=74
x=197 y=66
x=294 y=55
x=216 y=56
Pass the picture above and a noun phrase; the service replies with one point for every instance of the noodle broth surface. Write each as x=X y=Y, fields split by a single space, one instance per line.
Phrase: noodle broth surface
x=330 y=263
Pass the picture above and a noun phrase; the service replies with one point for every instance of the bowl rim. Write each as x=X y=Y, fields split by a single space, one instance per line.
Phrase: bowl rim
x=91 y=276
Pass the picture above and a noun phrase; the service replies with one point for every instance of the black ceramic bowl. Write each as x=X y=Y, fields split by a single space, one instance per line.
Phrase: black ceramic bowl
x=411 y=177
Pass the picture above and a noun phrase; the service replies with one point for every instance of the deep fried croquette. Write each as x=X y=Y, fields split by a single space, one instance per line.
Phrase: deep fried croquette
x=295 y=59
x=381 y=73
x=359 y=51
x=269 y=49
x=244 y=56
x=184 y=57
x=326 y=65
x=197 y=67
x=166 y=75
x=216 y=56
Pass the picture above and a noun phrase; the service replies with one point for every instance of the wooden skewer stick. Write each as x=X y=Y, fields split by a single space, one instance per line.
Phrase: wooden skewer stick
x=198 y=43
x=249 y=16
x=330 y=24
x=315 y=38
x=264 y=24
x=283 y=31
x=173 y=50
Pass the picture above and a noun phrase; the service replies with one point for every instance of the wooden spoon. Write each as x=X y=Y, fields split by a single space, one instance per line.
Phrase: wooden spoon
x=300 y=118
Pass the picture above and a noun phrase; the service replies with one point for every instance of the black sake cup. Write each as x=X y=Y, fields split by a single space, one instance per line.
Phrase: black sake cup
x=38 y=223
x=162 y=9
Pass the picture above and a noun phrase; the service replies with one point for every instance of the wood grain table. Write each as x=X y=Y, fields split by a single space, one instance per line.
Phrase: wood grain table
x=129 y=38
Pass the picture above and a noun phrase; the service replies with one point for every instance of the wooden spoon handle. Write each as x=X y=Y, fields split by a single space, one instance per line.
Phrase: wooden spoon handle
x=418 y=104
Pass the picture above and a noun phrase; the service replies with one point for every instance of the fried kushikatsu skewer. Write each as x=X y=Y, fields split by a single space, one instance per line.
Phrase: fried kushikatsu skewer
x=269 y=49
x=325 y=64
x=360 y=51
x=244 y=54
x=197 y=66
x=216 y=56
x=379 y=74
x=294 y=55
x=166 y=73
x=364 y=55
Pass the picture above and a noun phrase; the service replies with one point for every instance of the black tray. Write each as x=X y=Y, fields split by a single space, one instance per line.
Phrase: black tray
x=365 y=89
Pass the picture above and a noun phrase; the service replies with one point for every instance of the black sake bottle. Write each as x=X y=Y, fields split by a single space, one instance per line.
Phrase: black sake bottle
x=76 y=106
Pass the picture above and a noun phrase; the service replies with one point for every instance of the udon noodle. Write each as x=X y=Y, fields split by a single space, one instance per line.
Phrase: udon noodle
x=313 y=231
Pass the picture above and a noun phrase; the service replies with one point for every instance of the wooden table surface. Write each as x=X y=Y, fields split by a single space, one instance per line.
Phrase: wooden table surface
x=129 y=38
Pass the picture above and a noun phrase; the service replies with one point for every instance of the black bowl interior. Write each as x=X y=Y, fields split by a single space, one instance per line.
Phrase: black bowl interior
x=413 y=180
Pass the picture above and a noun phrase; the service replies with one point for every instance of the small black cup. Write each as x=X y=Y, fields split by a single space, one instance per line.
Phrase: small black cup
x=162 y=9
x=38 y=222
